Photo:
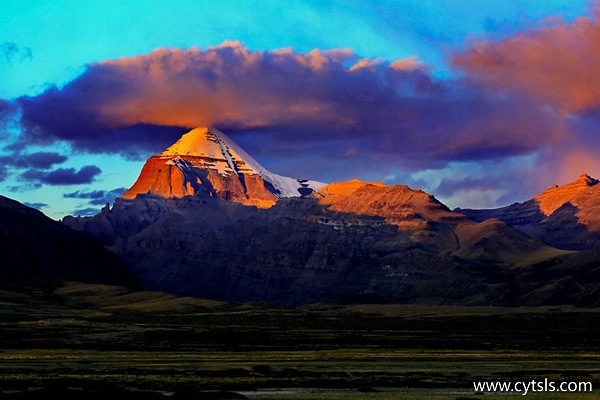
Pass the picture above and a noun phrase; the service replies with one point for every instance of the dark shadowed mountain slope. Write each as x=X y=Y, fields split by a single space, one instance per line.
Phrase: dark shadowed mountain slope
x=301 y=251
x=296 y=252
x=37 y=250
x=194 y=226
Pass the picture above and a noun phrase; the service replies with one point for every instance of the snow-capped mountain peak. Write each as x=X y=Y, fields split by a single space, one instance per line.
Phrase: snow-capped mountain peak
x=213 y=146
x=206 y=159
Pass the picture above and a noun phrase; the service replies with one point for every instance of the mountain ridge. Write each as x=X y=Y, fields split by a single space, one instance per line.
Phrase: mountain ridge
x=343 y=242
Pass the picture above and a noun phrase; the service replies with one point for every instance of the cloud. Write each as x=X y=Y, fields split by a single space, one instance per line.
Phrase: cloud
x=63 y=176
x=557 y=63
x=10 y=52
x=3 y=173
x=97 y=197
x=39 y=160
x=42 y=160
x=330 y=103
x=407 y=64
x=7 y=117
x=5 y=106
x=85 y=212
x=36 y=205
x=449 y=187
x=24 y=187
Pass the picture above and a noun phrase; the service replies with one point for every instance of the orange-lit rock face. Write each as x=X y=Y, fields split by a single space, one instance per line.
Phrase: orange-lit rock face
x=580 y=205
x=566 y=217
x=200 y=163
x=418 y=216
x=398 y=204
x=574 y=192
x=188 y=175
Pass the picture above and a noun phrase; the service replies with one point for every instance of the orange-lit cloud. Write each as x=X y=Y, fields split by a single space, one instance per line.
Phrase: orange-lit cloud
x=407 y=64
x=329 y=103
x=222 y=84
x=559 y=64
x=556 y=65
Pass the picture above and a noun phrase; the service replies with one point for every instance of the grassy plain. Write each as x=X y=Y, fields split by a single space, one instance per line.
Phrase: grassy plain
x=97 y=339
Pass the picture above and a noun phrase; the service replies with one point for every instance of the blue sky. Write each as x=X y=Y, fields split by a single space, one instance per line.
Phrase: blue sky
x=46 y=44
x=64 y=36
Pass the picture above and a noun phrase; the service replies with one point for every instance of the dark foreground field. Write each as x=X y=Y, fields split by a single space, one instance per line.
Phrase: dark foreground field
x=91 y=341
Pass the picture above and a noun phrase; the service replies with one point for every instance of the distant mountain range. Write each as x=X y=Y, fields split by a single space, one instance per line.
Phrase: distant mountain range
x=205 y=219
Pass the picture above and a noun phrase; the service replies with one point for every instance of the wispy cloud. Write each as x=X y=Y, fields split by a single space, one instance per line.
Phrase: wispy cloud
x=62 y=176
x=96 y=197
x=10 y=52
x=36 y=205
x=85 y=212
x=41 y=160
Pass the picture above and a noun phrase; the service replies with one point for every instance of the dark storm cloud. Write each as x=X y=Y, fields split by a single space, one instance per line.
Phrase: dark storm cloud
x=42 y=160
x=63 y=176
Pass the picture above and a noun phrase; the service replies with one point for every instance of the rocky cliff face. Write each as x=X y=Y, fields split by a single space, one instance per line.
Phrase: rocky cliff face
x=567 y=217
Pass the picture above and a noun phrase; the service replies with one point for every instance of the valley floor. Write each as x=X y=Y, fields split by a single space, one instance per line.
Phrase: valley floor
x=100 y=339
